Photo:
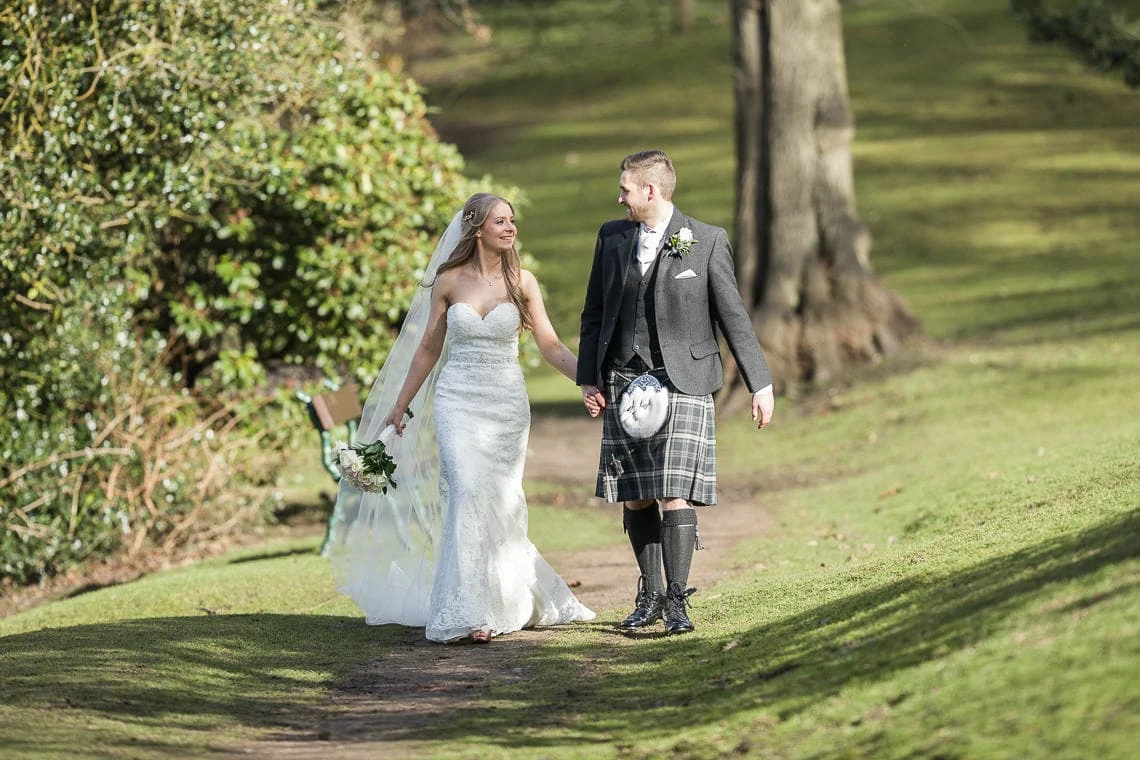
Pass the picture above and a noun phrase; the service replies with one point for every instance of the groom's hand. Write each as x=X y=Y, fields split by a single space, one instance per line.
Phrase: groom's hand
x=594 y=400
x=763 y=404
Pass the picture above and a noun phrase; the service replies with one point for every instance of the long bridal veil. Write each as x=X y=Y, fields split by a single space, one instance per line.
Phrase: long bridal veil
x=383 y=545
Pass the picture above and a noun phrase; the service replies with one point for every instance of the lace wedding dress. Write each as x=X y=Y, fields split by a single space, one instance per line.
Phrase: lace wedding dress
x=489 y=575
x=468 y=564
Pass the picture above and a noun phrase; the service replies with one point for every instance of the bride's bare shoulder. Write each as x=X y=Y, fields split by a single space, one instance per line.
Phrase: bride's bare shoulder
x=448 y=275
x=445 y=282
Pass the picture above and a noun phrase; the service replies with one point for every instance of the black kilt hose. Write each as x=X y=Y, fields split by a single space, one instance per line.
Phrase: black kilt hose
x=676 y=462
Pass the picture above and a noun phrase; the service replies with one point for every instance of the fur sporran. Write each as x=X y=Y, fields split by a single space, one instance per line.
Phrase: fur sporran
x=644 y=406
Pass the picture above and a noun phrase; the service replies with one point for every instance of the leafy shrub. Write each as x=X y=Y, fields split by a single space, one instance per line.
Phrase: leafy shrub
x=191 y=191
x=1095 y=30
x=123 y=457
x=265 y=192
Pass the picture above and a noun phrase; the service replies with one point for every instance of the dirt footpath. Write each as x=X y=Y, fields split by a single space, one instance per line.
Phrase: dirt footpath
x=384 y=708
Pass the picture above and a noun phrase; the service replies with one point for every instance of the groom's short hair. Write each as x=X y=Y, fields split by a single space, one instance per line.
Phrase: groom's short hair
x=652 y=167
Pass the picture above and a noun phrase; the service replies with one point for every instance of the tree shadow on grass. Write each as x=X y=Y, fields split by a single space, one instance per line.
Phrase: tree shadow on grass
x=266 y=672
x=801 y=660
x=792 y=663
x=173 y=682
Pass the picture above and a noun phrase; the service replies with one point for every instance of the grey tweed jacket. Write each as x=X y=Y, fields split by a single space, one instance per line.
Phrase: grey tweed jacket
x=696 y=295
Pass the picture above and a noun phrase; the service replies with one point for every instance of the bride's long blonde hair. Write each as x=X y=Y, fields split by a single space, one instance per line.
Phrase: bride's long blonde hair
x=475 y=213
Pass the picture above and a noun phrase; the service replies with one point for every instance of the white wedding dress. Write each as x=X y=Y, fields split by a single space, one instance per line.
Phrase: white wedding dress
x=468 y=565
x=489 y=576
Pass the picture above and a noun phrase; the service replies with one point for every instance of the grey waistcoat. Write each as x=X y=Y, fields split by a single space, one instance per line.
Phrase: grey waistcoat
x=636 y=329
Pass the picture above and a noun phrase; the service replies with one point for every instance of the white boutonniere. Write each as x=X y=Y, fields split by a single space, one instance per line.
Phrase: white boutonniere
x=680 y=242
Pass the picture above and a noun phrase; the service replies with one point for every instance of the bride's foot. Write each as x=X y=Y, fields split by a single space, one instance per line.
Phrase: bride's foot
x=480 y=637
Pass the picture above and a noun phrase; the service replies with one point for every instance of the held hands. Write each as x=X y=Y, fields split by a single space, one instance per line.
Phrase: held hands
x=594 y=399
x=763 y=404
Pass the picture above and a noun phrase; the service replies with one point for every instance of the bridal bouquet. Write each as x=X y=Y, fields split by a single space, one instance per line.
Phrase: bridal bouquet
x=369 y=466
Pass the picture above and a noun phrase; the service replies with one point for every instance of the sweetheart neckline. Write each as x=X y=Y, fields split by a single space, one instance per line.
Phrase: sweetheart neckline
x=482 y=317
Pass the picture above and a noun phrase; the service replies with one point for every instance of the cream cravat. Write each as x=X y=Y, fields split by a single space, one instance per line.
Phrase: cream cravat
x=648 y=243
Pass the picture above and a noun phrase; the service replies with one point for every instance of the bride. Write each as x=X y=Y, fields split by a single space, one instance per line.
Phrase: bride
x=447 y=547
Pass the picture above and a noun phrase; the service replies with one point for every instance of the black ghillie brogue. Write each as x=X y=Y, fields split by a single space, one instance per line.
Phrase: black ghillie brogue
x=676 y=600
x=648 y=611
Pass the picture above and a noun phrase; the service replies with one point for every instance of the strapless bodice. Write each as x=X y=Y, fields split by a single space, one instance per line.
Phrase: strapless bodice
x=490 y=339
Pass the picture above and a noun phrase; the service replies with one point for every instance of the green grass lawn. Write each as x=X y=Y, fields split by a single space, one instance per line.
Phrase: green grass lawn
x=954 y=572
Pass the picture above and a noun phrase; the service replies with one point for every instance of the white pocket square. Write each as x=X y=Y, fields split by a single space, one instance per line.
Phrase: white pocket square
x=685 y=275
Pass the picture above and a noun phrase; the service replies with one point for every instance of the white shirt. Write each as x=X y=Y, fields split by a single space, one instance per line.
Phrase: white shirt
x=649 y=241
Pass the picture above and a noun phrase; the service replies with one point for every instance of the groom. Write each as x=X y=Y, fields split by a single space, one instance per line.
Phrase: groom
x=661 y=286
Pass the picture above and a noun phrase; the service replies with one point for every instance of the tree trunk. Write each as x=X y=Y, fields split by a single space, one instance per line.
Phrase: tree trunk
x=802 y=255
x=684 y=16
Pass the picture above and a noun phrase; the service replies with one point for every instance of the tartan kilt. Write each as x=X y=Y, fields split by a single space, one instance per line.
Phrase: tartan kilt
x=676 y=462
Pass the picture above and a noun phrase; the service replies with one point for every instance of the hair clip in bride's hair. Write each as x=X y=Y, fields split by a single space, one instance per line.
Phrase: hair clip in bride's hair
x=469 y=216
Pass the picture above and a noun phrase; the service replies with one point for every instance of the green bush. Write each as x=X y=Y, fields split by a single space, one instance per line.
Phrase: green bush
x=1097 y=31
x=117 y=456
x=265 y=192
x=191 y=192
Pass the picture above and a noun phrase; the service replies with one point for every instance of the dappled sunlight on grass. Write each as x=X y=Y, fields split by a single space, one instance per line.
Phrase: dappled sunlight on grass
x=999 y=192
x=176 y=681
x=769 y=652
x=277 y=577
x=973 y=152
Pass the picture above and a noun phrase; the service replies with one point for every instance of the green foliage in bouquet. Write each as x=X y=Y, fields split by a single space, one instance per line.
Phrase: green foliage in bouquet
x=193 y=195
x=369 y=466
x=378 y=461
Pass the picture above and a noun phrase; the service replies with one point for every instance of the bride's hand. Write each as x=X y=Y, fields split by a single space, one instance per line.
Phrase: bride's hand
x=594 y=399
x=397 y=419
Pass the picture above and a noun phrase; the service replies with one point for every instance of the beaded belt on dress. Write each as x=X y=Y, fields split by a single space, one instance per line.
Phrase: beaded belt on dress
x=483 y=360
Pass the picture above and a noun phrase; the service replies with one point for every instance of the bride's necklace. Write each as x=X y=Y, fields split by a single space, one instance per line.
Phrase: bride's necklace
x=490 y=280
